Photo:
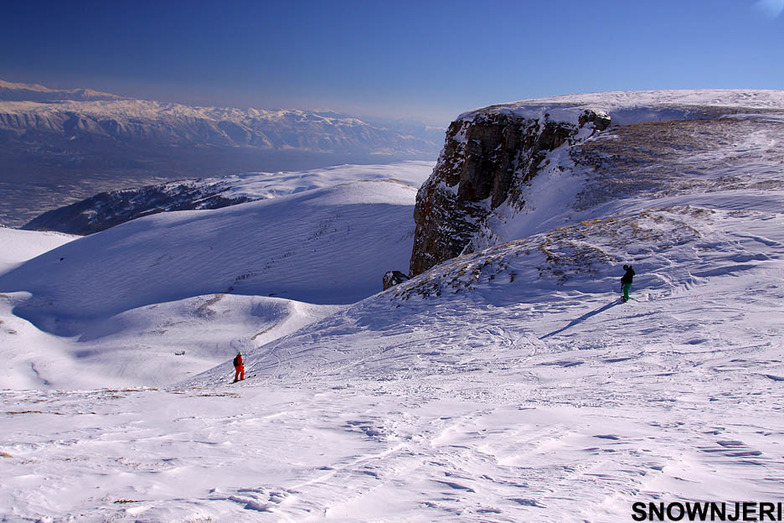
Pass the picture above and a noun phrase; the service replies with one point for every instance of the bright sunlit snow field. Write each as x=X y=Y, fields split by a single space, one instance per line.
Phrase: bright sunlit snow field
x=505 y=385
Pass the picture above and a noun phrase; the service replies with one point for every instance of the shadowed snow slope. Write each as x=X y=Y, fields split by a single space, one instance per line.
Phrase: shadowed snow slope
x=328 y=246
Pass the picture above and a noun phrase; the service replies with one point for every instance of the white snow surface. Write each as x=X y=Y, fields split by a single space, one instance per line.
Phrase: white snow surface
x=323 y=246
x=272 y=185
x=19 y=246
x=506 y=385
x=629 y=107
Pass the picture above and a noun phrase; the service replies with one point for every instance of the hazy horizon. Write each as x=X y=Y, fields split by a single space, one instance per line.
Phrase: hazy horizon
x=429 y=61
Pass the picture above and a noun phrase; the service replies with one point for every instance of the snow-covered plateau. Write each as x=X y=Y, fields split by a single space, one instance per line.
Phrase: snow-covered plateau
x=507 y=384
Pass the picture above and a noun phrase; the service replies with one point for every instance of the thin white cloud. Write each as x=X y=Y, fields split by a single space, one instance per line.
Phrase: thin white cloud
x=770 y=8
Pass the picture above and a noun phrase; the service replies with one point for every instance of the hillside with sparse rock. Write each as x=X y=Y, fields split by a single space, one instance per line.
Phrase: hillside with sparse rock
x=511 y=170
x=107 y=209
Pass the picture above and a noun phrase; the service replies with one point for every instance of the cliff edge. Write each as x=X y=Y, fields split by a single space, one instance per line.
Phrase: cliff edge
x=488 y=156
x=509 y=171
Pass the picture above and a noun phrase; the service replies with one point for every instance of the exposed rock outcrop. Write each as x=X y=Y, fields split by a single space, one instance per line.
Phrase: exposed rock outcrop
x=392 y=278
x=107 y=209
x=489 y=154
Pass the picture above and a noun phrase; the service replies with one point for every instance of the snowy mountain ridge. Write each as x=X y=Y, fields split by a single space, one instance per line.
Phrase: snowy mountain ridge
x=84 y=113
x=105 y=210
x=177 y=124
x=504 y=384
x=85 y=146
x=12 y=91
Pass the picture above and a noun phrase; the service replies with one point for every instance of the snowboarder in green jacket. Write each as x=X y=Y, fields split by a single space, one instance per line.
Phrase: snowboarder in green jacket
x=626 y=281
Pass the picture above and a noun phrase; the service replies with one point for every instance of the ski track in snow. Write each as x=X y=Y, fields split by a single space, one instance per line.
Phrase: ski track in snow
x=647 y=400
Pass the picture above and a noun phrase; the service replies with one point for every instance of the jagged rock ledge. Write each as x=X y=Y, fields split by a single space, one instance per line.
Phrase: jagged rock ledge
x=497 y=157
x=488 y=155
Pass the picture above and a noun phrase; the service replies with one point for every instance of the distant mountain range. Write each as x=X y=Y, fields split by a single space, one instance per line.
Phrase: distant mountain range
x=38 y=93
x=79 y=142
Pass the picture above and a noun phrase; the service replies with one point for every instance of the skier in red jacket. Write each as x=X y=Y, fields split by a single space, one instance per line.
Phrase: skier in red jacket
x=239 y=368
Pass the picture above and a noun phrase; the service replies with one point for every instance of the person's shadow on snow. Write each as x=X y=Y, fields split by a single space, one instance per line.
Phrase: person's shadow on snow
x=581 y=319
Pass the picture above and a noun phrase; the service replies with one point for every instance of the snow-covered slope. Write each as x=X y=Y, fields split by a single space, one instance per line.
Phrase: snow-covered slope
x=505 y=401
x=171 y=295
x=498 y=393
x=329 y=246
x=105 y=210
x=20 y=246
x=508 y=384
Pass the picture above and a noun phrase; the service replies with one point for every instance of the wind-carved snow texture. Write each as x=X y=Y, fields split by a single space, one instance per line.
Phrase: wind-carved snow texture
x=655 y=159
x=562 y=254
x=525 y=391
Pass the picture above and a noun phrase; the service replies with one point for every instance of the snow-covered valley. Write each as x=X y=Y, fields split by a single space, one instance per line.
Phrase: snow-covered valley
x=507 y=384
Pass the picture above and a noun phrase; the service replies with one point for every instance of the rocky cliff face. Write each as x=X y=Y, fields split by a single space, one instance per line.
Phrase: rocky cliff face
x=488 y=157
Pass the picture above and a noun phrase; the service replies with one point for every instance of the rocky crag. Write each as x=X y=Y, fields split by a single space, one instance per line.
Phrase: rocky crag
x=488 y=157
x=511 y=171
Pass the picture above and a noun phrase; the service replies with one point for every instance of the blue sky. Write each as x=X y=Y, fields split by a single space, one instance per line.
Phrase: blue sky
x=425 y=59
